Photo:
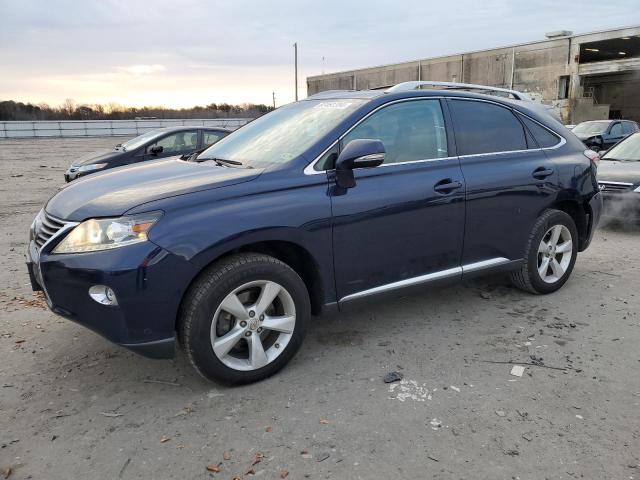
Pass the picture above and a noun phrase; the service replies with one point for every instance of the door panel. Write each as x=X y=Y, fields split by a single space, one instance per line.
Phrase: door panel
x=393 y=225
x=509 y=179
x=503 y=202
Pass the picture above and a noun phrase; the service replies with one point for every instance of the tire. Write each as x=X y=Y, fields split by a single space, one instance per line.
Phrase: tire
x=210 y=315
x=529 y=277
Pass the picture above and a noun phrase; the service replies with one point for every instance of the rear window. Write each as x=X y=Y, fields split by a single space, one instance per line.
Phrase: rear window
x=483 y=127
x=543 y=137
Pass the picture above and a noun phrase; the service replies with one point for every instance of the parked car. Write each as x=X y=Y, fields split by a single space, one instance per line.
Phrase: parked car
x=155 y=144
x=619 y=179
x=603 y=134
x=318 y=205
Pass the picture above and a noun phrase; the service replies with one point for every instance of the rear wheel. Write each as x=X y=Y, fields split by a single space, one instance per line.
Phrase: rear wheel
x=244 y=318
x=551 y=254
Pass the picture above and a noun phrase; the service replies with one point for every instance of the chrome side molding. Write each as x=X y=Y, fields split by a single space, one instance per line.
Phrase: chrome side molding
x=429 y=277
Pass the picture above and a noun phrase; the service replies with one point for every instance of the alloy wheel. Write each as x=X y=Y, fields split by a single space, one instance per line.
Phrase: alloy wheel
x=554 y=253
x=253 y=325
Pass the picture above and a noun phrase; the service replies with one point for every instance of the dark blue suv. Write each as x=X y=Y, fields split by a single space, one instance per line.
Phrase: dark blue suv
x=320 y=204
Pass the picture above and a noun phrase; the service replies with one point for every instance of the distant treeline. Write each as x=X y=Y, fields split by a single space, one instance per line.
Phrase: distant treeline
x=69 y=110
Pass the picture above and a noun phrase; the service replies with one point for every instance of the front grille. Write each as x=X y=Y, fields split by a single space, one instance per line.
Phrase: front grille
x=46 y=227
x=615 y=187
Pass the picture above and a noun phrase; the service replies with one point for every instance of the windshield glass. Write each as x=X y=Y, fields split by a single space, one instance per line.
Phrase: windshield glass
x=628 y=150
x=591 y=127
x=283 y=134
x=141 y=140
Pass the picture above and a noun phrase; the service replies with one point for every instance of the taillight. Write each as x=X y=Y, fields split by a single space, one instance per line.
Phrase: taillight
x=593 y=156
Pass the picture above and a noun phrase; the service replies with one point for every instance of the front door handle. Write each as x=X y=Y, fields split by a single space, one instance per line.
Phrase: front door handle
x=447 y=186
x=542 y=172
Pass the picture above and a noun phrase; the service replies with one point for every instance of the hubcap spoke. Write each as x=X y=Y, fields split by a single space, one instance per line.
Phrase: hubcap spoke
x=555 y=235
x=257 y=356
x=269 y=292
x=557 y=269
x=284 y=324
x=222 y=345
x=565 y=247
x=544 y=247
x=544 y=266
x=234 y=306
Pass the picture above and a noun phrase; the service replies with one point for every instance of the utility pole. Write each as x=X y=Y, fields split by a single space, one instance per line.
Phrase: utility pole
x=273 y=94
x=295 y=50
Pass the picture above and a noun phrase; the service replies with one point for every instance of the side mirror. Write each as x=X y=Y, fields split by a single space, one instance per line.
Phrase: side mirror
x=360 y=153
x=156 y=149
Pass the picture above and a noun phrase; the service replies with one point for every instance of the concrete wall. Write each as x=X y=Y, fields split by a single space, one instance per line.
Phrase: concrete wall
x=534 y=68
x=543 y=60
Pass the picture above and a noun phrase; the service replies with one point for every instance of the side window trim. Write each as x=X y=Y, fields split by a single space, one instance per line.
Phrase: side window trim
x=310 y=168
x=514 y=112
x=560 y=143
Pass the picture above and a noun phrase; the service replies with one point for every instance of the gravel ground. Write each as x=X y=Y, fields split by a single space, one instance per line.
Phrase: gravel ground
x=73 y=406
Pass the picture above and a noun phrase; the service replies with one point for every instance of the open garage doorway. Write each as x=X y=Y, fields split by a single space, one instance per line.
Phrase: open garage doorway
x=619 y=91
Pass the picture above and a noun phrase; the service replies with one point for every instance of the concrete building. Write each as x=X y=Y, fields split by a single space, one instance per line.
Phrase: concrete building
x=585 y=77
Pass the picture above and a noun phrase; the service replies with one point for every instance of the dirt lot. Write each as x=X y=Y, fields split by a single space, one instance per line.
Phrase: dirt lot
x=73 y=406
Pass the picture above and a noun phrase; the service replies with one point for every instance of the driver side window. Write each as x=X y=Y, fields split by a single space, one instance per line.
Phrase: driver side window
x=410 y=130
x=178 y=142
x=616 y=130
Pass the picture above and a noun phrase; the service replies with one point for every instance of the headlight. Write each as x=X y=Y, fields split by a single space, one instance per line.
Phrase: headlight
x=637 y=190
x=107 y=233
x=92 y=167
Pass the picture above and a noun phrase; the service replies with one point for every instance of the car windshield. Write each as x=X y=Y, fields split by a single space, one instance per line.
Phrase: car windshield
x=141 y=140
x=627 y=151
x=283 y=134
x=591 y=127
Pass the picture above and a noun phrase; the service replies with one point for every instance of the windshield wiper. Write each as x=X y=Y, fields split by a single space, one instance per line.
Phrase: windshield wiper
x=225 y=162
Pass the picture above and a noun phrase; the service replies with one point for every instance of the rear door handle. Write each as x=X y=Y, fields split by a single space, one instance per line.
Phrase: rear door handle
x=447 y=186
x=542 y=173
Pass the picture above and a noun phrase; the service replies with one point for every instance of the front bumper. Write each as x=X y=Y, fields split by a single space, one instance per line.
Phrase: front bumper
x=148 y=281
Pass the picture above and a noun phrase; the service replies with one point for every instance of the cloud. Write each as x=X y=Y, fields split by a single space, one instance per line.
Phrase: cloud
x=139 y=70
x=243 y=49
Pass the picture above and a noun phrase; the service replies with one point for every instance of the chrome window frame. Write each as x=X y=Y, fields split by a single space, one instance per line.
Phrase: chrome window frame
x=560 y=143
x=310 y=170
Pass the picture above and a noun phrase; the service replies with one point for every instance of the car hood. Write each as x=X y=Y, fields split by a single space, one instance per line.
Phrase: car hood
x=619 y=171
x=96 y=157
x=113 y=192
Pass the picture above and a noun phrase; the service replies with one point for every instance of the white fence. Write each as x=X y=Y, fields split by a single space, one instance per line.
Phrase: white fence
x=105 y=128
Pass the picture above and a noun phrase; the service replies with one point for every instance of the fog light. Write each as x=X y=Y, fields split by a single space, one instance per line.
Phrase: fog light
x=103 y=295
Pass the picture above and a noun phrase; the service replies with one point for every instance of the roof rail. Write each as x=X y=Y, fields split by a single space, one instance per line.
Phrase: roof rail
x=406 y=86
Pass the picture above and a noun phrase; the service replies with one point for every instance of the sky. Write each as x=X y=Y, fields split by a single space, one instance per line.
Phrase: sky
x=182 y=53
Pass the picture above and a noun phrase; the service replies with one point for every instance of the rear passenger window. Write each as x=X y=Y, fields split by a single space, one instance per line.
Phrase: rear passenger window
x=410 y=130
x=543 y=137
x=483 y=127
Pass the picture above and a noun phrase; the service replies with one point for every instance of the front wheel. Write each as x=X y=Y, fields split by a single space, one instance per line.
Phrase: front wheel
x=244 y=318
x=550 y=255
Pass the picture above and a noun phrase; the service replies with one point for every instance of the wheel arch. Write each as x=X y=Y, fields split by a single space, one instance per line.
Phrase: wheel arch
x=294 y=255
x=580 y=214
